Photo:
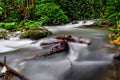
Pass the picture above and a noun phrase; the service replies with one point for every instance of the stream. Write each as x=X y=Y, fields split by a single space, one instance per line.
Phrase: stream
x=82 y=62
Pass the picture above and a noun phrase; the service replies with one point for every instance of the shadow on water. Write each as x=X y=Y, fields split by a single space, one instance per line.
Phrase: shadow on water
x=90 y=70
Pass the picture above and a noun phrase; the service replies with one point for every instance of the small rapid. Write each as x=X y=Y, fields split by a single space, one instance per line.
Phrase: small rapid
x=81 y=62
x=78 y=51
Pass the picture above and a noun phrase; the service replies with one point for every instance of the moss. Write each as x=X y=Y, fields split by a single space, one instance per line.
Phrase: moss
x=8 y=26
x=25 y=34
x=35 y=33
x=74 y=22
x=1 y=36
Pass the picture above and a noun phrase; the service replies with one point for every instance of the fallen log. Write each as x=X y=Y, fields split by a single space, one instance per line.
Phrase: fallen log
x=12 y=71
x=72 y=39
x=60 y=48
x=63 y=45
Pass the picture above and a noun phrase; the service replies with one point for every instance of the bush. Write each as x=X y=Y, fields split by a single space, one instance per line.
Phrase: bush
x=90 y=9
x=50 y=13
x=31 y=24
x=115 y=33
x=76 y=9
x=12 y=16
x=113 y=9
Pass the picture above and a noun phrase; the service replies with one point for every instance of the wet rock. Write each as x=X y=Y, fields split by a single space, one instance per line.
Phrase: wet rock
x=35 y=33
x=64 y=37
x=3 y=33
x=102 y=23
x=109 y=22
x=116 y=57
x=74 y=22
x=73 y=39
x=15 y=34
x=1 y=36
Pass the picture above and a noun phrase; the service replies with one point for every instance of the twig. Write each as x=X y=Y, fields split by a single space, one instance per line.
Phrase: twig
x=12 y=71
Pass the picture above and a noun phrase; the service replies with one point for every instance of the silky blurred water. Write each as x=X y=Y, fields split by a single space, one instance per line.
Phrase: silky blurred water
x=81 y=62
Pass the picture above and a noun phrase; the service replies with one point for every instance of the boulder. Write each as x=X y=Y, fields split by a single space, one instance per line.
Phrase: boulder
x=35 y=33
x=3 y=33
x=74 y=22
x=1 y=36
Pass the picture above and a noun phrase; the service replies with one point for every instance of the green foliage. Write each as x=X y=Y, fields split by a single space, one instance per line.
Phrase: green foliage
x=8 y=25
x=113 y=9
x=27 y=24
x=12 y=10
x=12 y=17
x=47 y=12
x=50 y=13
x=91 y=9
x=1 y=11
x=75 y=9
x=43 y=1
x=31 y=24
x=115 y=33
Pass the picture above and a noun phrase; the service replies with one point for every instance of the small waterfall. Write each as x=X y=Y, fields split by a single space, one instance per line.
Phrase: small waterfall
x=78 y=50
x=70 y=26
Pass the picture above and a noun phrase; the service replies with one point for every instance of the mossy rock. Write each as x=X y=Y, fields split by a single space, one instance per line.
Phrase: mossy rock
x=3 y=33
x=74 y=22
x=1 y=36
x=35 y=33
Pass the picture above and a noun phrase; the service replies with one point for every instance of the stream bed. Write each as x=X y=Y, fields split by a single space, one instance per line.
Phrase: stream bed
x=82 y=62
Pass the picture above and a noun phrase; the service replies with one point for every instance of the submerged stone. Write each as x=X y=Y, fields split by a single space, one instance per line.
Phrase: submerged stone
x=35 y=33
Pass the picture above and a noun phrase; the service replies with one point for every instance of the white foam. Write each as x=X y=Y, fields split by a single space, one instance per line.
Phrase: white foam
x=15 y=43
x=55 y=29
x=5 y=49
x=11 y=45
x=75 y=48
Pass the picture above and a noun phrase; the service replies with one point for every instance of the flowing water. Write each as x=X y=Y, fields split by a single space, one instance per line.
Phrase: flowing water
x=82 y=62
